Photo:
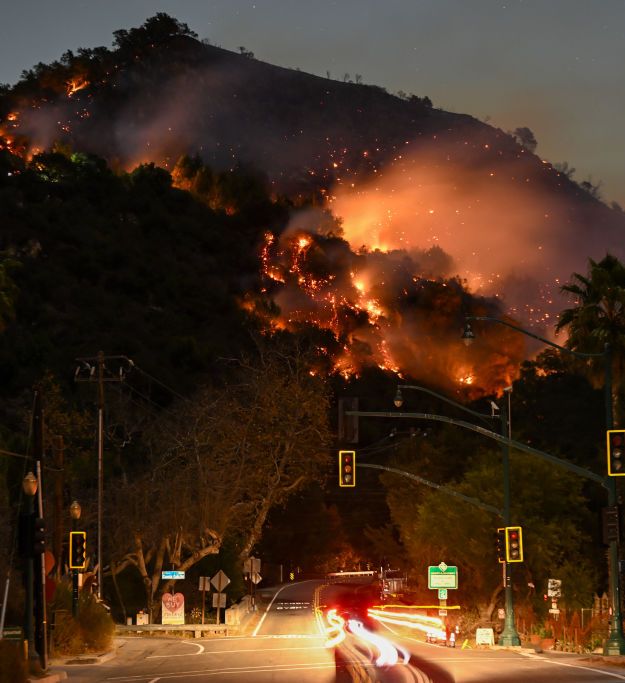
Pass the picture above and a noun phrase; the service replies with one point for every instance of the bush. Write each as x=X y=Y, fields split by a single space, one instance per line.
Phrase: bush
x=12 y=664
x=91 y=631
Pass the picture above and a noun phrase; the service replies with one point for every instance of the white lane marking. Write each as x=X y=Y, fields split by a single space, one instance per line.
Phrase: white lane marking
x=154 y=680
x=575 y=666
x=260 y=623
x=230 y=670
x=188 y=654
x=241 y=652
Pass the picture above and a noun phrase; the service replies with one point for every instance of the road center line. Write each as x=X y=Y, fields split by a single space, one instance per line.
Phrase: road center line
x=262 y=619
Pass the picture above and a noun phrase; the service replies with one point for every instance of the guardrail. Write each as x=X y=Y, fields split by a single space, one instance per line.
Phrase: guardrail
x=198 y=630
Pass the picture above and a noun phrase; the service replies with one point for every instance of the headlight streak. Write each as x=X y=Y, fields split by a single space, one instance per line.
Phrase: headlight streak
x=388 y=651
x=336 y=629
x=418 y=622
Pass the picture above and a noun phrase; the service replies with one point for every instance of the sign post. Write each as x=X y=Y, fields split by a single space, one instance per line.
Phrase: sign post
x=251 y=569
x=220 y=581
x=205 y=585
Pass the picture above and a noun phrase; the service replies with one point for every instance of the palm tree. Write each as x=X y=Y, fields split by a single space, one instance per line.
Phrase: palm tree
x=598 y=318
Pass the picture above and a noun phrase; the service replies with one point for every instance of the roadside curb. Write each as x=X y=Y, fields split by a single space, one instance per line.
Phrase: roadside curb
x=48 y=678
x=89 y=659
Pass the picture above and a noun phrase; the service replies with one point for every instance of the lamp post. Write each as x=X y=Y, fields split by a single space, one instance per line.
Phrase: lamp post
x=29 y=486
x=75 y=511
x=509 y=636
x=615 y=645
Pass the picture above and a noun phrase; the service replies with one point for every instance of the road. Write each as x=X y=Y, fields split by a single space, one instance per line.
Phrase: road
x=287 y=644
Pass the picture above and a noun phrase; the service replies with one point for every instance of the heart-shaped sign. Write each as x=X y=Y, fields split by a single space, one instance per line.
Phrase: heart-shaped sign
x=172 y=603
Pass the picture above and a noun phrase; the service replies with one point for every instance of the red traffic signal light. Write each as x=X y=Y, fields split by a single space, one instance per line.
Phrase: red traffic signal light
x=514 y=544
x=616 y=452
x=347 y=468
x=77 y=549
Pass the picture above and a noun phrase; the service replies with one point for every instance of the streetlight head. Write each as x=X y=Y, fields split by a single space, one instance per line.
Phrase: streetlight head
x=468 y=335
x=75 y=510
x=29 y=484
x=399 y=399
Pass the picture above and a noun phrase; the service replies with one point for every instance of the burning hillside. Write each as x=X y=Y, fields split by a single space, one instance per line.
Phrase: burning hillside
x=420 y=206
x=379 y=311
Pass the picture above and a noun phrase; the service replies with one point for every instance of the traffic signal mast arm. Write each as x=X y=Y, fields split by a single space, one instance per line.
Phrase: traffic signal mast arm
x=587 y=474
x=431 y=484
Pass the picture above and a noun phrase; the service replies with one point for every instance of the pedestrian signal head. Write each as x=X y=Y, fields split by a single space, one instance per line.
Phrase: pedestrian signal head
x=500 y=544
x=39 y=536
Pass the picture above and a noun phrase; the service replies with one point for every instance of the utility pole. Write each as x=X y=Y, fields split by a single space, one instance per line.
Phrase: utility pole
x=59 y=481
x=41 y=626
x=93 y=369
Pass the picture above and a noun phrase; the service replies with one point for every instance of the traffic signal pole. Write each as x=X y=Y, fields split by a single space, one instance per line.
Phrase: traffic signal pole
x=509 y=635
x=615 y=645
x=41 y=630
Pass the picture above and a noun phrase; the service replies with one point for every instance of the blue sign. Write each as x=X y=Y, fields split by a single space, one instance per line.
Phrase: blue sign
x=172 y=575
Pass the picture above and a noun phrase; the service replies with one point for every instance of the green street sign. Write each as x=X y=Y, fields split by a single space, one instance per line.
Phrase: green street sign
x=442 y=576
x=442 y=594
x=12 y=633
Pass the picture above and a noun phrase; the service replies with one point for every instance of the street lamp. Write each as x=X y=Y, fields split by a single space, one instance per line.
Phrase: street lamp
x=29 y=486
x=615 y=644
x=75 y=511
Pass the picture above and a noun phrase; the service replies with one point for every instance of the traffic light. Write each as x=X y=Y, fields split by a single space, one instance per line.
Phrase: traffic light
x=514 y=544
x=610 y=524
x=39 y=536
x=616 y=452
x=348 y=424
x=347 y=468
x=77 y=549
x=500 y=542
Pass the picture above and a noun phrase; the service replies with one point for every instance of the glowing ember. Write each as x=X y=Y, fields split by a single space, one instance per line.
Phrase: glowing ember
x=76 y=84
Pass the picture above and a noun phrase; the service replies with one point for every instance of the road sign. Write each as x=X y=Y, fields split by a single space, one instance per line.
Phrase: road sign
x=220 y=581
x=256 y=577
x=554 y=588
x=442 y=594
x=172 y=608
x=554 y=611
x=442 y=576
x=501 y=613
x=442 y=612
x=205 y=583
x=219 y=599
x=172 y=575
x=12 y=633
x=251 y=565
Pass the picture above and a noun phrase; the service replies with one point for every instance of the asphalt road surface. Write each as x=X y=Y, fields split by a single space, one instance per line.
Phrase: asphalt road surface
x=288 y=645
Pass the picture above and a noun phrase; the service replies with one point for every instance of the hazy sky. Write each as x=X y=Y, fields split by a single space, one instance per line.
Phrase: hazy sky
x=556 y=66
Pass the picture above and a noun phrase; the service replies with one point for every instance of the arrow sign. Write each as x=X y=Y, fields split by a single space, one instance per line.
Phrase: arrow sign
x=220 y=581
